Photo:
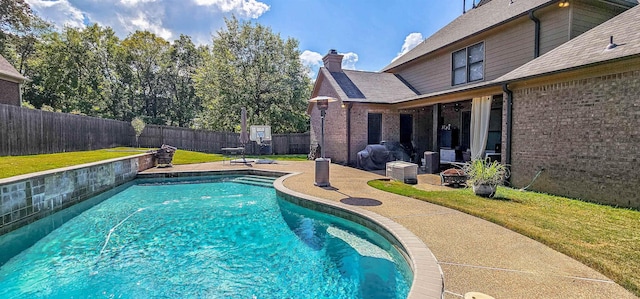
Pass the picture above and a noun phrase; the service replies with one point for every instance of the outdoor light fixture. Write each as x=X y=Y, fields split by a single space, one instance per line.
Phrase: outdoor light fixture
x=322 y=164
x=564 y=3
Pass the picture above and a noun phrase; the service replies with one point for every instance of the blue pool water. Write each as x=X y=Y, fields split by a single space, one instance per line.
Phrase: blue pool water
x=205 y=240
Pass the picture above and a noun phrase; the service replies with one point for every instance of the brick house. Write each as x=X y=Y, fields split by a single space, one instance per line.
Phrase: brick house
x=10 y=80
x=554 y=98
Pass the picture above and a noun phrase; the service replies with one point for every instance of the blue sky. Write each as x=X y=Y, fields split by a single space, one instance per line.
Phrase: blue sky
x=369 y=33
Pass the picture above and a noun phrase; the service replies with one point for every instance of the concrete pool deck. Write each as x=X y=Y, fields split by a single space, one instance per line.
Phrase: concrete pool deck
x=475 y=255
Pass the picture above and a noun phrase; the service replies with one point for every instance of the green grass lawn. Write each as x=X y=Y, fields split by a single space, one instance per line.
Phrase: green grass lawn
x=604 y=238
x=17 y=165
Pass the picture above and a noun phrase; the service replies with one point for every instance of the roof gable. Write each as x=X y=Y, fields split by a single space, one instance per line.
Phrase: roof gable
x=489 y=14
x=9 y=73
x=361 y=86
x=588 y=48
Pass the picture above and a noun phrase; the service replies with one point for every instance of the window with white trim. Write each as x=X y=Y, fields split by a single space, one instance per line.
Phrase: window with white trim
x=468 y=64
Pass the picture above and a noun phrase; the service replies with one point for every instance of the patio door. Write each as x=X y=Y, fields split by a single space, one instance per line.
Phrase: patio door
x=374 y=126
x=406 y=128
x=466 y=130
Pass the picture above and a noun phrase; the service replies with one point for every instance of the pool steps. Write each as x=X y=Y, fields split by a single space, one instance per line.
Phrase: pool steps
x=255 y=180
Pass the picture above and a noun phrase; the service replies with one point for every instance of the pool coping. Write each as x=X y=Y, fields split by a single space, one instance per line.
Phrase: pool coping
x=428 y=277
x=26 y=176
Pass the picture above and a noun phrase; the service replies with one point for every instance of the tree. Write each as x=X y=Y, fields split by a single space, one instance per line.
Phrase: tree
x=19 y=29
x=147 y=56
x=138 y=126
x=184 y=59
x=14 y=15
x=250 y=66
x=69 y=71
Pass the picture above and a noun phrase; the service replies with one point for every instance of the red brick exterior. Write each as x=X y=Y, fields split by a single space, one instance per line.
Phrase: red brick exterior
x=9 y=93
x=585 y=134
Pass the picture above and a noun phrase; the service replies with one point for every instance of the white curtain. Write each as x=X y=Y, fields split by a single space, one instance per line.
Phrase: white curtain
x=480 y=112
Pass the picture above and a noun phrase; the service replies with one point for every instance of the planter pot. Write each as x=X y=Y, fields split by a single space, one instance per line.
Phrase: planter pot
x=485 y=190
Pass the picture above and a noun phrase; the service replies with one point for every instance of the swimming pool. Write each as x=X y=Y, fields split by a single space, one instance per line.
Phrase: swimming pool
x=214 y=239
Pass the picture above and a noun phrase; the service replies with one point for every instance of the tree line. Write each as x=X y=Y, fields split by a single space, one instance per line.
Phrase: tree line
x=91 y=71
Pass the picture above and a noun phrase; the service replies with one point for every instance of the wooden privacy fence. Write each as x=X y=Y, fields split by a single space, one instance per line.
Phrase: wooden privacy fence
x=213 y=142
x=27 y=132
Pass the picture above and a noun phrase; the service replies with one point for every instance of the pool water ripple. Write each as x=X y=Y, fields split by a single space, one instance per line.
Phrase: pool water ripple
x=205 y=240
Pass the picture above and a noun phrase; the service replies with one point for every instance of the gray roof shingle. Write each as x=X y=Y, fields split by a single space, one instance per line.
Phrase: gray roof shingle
x=368 y=87
x=380 y=87
x=8 y=72
x=351 y=90
x=489 y=14
x=588 y=48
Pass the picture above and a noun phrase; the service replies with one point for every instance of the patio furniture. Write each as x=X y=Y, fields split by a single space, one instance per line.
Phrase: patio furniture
x=453 y=177
x=164 y=156
x=232 y=153
x=405 y=172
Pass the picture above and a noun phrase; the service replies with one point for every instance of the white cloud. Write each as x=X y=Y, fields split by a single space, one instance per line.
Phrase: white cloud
x=135 y=2
x=410 y=42
x=349 y=60
x=312 y=60
x=166 y=18
x=141 y=22
x=245 y=8
x=59 y=12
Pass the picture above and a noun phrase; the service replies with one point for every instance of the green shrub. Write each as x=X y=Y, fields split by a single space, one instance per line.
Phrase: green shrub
x=138 y=125
x=486 y=172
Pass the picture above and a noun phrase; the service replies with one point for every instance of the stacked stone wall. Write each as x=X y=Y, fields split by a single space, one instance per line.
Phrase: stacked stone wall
x=24 y=199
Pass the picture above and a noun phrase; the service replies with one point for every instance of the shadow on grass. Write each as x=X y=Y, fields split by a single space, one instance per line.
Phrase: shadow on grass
x=502 y=198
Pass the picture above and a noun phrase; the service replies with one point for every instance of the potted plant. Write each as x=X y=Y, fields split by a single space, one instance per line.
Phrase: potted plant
x=485 y=176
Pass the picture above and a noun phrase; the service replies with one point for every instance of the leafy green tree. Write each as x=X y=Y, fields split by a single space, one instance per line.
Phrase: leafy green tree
x=250 y=66
x=15 y=17
x=147 y=56
x=19 y=32
x=184 y=103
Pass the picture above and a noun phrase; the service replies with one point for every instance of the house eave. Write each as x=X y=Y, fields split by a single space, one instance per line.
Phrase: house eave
x=524 y=14
x=12 y=78
x=450 y=95
x=604 y=63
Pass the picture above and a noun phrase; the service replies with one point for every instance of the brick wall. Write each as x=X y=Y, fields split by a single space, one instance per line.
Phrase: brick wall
x=9 y=93
x=335 y=135
x=585 y=134
x=335 y=130
x=360 y=121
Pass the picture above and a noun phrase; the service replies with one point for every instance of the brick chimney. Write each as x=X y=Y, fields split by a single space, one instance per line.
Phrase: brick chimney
x=333 y=61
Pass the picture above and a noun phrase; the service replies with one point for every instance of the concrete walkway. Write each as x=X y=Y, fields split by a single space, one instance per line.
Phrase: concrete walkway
x=475 y=255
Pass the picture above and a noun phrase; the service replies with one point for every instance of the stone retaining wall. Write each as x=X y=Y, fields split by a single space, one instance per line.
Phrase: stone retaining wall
x=27 y=198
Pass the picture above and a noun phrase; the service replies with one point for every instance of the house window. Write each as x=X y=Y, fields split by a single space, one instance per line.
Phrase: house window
x=468 y=64
x=375 y=128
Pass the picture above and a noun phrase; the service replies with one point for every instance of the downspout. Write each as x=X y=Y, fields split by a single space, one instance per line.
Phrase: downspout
x=507 y=148
x=536 y=42
x=349 y=106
